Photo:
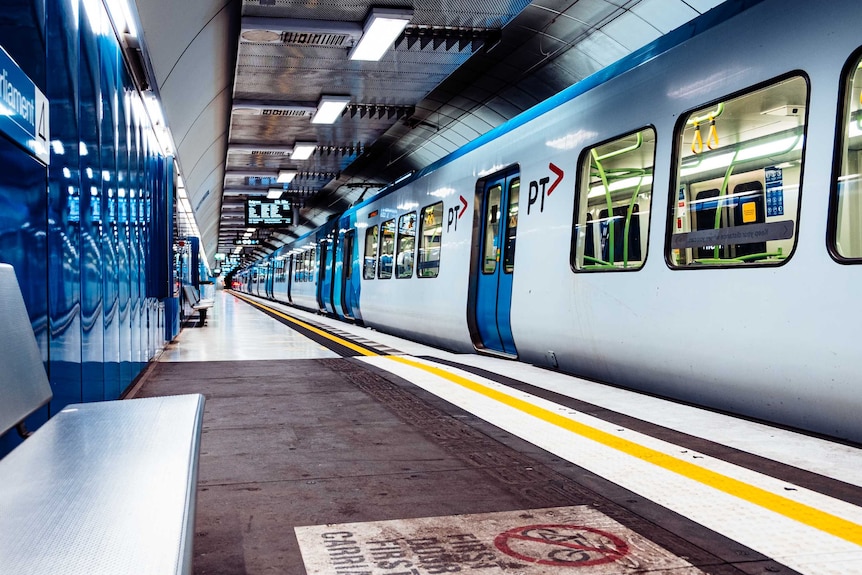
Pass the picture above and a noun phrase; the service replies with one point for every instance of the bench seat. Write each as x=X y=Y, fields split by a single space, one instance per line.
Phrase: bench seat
x=197 y=304
x=104 y=488
x=101 y=488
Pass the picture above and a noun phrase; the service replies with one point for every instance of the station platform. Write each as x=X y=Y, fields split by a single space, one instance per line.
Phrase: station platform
x=330 y=448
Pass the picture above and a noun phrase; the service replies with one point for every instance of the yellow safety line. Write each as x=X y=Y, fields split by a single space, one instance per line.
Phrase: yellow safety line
x=805 y=514
x=320 y=332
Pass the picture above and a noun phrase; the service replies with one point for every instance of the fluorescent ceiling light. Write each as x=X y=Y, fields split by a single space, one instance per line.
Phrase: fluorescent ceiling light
x=154 y=108
x=274 y=193
x=382 y=27
x=303 y=150
x=773 y=148
x=329 y=109
x=286 y=176
x=700 y=165
x=625 y=183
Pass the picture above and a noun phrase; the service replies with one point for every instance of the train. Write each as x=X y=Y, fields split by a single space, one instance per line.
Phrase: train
x=686 y=223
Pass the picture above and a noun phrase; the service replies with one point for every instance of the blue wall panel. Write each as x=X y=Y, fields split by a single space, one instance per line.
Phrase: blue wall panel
x=125 y=307
x=108 y=134
x=23 y=185
x=134 y=260
x=90 y=236
x=23 y=213
x=64 y=205
x=92 y=336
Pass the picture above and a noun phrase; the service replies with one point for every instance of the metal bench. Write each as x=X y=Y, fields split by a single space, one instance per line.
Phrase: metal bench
x=196 y=303
x=101 y=488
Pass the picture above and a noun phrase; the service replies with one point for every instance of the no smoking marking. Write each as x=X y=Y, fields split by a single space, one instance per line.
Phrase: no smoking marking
x=562 y=545
x=578 y=540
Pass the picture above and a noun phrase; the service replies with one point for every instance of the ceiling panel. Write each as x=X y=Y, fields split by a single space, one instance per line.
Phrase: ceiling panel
x=631 y=30
x=461 y=68
x=664 y=15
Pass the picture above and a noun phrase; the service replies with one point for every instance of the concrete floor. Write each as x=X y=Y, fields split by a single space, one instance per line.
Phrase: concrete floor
x=296 y=436
x=292 y=443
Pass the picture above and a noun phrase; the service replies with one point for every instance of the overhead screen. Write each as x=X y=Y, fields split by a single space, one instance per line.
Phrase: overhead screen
x=265 y=213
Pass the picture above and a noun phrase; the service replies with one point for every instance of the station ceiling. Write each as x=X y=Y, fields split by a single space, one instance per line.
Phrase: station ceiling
x=240 y=79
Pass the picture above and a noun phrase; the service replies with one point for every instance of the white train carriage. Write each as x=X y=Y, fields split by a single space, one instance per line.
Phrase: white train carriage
x=684 y=221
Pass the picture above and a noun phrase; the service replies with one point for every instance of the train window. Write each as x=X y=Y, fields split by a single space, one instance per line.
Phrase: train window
x=369 y=265
x=490 y=252
x=430 y=236
x=511 y=226
x=614 y=196
x=846 y=224
x=406 y=245
x=387 y=249
x=736 y=196
x=347 y=256
x=312 y=264
x=309 y=265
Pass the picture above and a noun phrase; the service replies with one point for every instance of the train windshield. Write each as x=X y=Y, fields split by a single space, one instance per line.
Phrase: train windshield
x=736 y=197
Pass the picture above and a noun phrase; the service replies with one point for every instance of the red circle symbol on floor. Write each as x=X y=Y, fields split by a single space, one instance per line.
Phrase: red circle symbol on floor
x=562 y=545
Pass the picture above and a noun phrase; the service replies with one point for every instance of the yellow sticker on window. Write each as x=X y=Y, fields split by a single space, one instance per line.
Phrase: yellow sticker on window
x=749 y=212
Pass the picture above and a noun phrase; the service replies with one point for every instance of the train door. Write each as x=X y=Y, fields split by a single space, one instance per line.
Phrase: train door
x=324 y=287
x=331 y=287
x=291 y=269
x=494 y=263
x=348 y=292
x=270 y=279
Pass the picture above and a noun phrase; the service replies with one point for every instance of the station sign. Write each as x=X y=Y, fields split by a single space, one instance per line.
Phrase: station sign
x=270 y=213
x=246 y=242
x=23 y=109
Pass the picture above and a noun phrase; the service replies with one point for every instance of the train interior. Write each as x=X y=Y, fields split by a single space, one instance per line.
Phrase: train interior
x=849 y=208
x=738 y=178
x=614 y=195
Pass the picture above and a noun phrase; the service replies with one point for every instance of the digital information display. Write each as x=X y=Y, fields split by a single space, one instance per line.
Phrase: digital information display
x=268 y=213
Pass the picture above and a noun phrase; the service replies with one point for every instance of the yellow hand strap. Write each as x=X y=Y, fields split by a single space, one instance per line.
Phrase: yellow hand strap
x=712 y=139
x=697 y=142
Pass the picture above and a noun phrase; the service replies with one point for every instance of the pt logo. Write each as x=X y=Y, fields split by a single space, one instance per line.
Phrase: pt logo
x=454 y=214
x=539 y=188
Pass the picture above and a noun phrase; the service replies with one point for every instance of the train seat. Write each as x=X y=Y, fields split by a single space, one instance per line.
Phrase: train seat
x=104 y=487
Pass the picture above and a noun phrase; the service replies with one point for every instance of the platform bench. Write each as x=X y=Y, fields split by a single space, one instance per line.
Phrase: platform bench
x=101 y=488
x=197 y=304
